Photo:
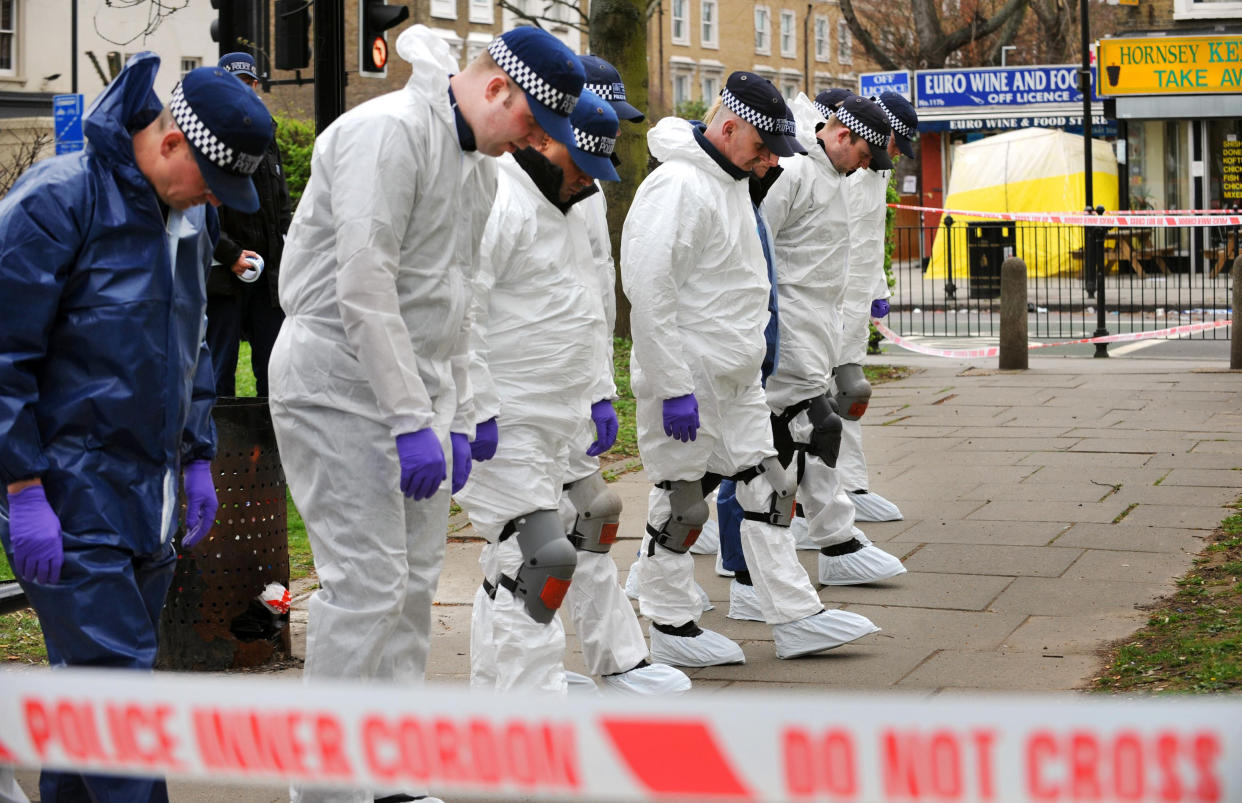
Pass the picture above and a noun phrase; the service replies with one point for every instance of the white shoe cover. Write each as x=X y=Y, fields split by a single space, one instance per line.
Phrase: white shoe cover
x=580 y=684
x=650 y=679
x=825 y=630
x=800 y=528
x=873 y=507
x=721 y=571
x=708 y=542
x=709 y=648
x=744 y=603
x=867 y=565
x=704 y=599
x=631 y=582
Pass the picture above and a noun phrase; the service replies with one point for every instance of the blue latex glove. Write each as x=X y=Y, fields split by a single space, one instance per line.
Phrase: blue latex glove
x=422 y=463
x=681 y=417
x=461 y=459
x=879 y=308
x=200 y=502
x=486 y=436
x=605 y=418
x=34 y=534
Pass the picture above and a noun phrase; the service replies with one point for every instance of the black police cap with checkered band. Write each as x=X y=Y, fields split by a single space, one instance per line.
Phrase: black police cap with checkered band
x=903 y=118
x=754 y=99
x=866 y=119
x=603 y=79
x=228 y=129
x=548 y=72
x=595 y=136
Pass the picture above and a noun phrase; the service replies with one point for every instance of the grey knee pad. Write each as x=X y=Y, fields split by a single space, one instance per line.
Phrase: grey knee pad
x=548 y=561
x=599 y=514
x=783 y=500
x=853 y=390
x=688 y=515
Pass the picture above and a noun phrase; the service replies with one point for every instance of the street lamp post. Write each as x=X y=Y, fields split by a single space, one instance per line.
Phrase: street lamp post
x=1005 y=52
x=1090 y=234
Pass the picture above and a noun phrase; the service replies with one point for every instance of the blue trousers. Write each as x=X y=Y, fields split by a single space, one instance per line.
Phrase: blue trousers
x=248 y=315
x=104 y=612
x=729 y=517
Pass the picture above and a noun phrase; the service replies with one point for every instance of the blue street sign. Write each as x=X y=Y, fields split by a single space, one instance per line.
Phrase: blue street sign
x=67 y=123
x=997 y=86
x=871 y=84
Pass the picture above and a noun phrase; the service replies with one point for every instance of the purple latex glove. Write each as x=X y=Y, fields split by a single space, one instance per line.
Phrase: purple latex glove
x=34 y=533
x=200 y=502
x=605 y=418
x=681 y=417
x=422 y=463
x=879 y=308
x=461 y=459
x=486 y=436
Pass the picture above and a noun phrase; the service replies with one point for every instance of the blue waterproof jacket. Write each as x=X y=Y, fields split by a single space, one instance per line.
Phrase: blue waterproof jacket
x=105 y=381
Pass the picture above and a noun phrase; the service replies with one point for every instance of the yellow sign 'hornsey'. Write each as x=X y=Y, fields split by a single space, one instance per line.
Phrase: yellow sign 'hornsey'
x=1169 y=65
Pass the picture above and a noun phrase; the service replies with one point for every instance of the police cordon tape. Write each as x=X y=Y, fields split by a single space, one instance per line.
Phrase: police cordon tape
x=1132 y=219
x=993 y=351
x=726 y=746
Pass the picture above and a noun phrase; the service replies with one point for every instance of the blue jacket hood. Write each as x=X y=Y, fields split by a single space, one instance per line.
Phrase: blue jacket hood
x=127 y=105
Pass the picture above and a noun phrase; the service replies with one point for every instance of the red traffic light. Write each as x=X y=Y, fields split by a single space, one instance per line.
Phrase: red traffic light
x=379 y=53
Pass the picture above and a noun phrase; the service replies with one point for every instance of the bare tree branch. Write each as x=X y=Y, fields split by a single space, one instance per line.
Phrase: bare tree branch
x=1008 y=33
x=976 y=29
x=520 y=13
x=874 y=51
x=20 y=156
x=574 y=7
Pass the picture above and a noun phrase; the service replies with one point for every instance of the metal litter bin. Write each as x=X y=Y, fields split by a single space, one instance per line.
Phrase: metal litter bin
x=210 y=620
x=988 y=245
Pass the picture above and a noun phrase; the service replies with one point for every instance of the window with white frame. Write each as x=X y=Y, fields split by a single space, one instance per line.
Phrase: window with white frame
x=481 y=11
x=823 y=40
x=189 y=63
x=444 y=9
x=708 y=35
x=845 y=43
x=8 y=37
x=1206 y=9
x=763 y=30
x=681 y=22
x=681 y=88
x=789 y=36
x=711 y=87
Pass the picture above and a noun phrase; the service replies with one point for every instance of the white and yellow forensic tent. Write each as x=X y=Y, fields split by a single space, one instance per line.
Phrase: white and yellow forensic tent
x=1027 y=170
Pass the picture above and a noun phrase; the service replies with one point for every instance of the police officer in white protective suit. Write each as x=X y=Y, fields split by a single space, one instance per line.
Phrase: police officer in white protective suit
x=807 y=211
x=536 y=329
x=613 y=645
x=866 y=297
x=369 y=376
x=694 y=271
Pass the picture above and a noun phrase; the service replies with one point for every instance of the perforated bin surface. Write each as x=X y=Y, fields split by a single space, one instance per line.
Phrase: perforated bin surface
x=246 y=549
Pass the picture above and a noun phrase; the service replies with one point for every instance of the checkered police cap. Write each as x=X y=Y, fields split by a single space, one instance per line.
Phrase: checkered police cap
x=896 y=122
x=531 y=82
x=594 y=143
x=758 y=119
x=826 y=102
x=206 y=142
x=874 y=134
x=609 y=92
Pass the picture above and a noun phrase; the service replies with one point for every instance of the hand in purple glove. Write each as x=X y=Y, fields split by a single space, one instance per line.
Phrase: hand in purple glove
x=681 y=417
x=34 y=533
x=605 y=418
x=461 y=459
x=879 y=308
x=200 y=502
x=422 y=463
x=486 y=436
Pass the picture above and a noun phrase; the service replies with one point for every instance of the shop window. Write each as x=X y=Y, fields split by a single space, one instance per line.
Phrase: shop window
x=1224 y=148
x=1158 y=157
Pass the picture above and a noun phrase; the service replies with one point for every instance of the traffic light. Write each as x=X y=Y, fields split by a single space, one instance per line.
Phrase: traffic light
x=292 y=34
x=375 y=17
x=224 y=26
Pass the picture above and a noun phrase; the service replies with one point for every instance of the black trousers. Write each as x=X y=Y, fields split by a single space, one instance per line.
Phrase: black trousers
x=248 y=315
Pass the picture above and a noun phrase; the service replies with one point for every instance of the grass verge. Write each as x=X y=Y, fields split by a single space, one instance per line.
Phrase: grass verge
x=1193 y=638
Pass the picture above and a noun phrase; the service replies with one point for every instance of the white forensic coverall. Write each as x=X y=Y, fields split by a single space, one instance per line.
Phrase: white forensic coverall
x=806 y=210
x=536 y=321
x=693 y=269
x=867 y=191
x=375 y=284
x=611 y=637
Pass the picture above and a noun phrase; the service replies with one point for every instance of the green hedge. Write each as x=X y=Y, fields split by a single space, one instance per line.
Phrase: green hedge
x=295 y=138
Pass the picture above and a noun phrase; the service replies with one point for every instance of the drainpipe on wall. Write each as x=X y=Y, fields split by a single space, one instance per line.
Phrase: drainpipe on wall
x=807 y=84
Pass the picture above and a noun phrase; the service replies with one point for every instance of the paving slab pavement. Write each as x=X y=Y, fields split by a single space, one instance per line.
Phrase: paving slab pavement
x=1042 y=508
